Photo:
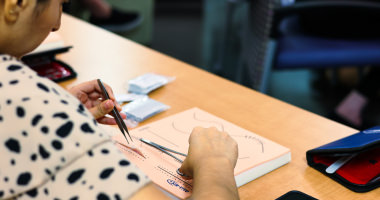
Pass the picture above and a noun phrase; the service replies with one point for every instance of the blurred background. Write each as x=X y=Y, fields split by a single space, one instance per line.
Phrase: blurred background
x=320 y=55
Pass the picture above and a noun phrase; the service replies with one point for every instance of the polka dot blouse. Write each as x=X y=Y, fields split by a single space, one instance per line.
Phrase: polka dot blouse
x=50 y=145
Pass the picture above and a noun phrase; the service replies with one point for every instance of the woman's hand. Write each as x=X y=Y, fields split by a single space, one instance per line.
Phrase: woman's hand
x=91 y=96
x=210 y=162
x=209 y=146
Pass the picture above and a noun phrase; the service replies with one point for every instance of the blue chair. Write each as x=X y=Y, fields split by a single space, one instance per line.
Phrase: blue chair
x=320 y=34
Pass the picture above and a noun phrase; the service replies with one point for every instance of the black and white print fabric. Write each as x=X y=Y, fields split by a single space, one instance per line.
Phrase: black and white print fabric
x=50 y=145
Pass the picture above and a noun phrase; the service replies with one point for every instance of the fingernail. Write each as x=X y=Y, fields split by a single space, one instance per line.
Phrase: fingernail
x=180 y=173
x=109 y=104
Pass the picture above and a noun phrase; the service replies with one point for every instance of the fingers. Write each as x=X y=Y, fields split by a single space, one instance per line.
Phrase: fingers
x=90 y=87
x=96 y=98
x=102 y=109
x=108 y=88
x=186 y=170
x=187 y=165
x=208 y=146
x=89 y=93
x=110 y=94
x=107 y=121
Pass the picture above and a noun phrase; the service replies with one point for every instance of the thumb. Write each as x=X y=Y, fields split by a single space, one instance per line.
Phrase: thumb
x=186 y=170
x=102 y=109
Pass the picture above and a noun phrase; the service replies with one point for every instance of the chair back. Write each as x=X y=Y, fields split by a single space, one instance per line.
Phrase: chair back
x=257 y=39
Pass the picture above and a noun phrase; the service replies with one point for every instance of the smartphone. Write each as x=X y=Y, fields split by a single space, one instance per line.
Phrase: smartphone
x=296 y=195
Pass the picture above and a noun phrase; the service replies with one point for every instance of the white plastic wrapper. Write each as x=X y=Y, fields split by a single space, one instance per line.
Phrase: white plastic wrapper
x=148 y=82
x=143 y=108
x=124 y=98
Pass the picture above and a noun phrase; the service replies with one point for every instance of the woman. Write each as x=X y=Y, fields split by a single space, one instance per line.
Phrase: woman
x=50 y=144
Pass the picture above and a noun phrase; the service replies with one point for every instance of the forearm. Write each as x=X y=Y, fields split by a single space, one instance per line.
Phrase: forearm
x=215 y=180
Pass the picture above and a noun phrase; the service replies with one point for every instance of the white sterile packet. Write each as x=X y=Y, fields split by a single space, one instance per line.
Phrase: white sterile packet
x=124 y=98
x=143 y=108
x=148 y=82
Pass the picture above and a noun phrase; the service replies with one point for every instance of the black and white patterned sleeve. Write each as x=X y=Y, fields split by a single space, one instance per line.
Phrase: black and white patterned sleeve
x=50 y=145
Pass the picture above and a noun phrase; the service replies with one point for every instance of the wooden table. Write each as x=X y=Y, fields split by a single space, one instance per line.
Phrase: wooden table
x=100 y=54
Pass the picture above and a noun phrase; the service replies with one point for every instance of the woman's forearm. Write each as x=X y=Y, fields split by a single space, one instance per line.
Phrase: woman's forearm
x=214 y=179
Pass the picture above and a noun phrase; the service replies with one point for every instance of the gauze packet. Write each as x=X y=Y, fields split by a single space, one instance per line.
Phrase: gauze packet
x=143 y=108
x=124 y=98
x=148 y=82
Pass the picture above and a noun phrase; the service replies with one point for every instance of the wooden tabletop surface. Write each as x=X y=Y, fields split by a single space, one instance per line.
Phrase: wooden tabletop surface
x=97 y=53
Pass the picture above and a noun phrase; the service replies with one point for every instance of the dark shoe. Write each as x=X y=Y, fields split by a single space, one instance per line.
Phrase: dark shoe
x=119 y=21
